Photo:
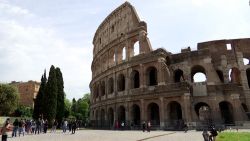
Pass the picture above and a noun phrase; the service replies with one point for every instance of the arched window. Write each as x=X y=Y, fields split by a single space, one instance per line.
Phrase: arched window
x=226 y=109
x=136 y=48
x=135 y=79
x=174 y=111
x=220 y=75
x=110 y=85
x=102 y=88
x=154 y=113
x=124 y=54
x=234 y=75
x=152 y=76
x=121 y=114
x=121 y=82
x=203 y=111
x=246 y=61
x=135 y=114
x=198 y=74
x=178 y=76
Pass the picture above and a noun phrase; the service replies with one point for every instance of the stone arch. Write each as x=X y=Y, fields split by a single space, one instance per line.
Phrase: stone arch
x=174 y=111
x=248 y=76
x=136 y=48
x=234 y=75
x=203 y=111
x=110 y=85
x=121 y=114
x=135 y=79
x=151 y=74
x=178 y=76
x=153 y=113
x=102 y=118
x=102 y=88
x=121 y=82
x=199 y=71
x=123 y=53
x=111 y=117
x=135 y=114
x=226 y=109
x=220 y=75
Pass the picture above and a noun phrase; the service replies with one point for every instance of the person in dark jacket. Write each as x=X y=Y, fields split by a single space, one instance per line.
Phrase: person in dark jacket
x=74 y=126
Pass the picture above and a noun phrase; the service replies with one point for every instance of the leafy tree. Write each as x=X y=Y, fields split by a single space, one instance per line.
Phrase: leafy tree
x=23 y=111
x=74 y=106
x=68 y=104
x=39 y=101
x=82 y=109
x=50 y=97
x=60 y=96
x=8 y=99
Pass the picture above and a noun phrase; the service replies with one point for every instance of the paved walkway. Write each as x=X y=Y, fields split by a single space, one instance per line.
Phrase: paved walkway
x=107 y=135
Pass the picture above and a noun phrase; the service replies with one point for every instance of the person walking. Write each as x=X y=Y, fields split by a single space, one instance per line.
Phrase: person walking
x=143 y=126
x=148 y=126
x=53 y=129
x=38 y=126
x=213 y=133
x=45 y=126
x=6 y=127
x=15 y=127
x=65 y=125
x=74 y=126
x=205 y=135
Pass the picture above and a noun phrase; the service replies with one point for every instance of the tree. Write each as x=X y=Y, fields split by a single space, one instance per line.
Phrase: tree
x=74 y=106
x=50 y=97
x=60 y=96
x=68 y=105
x=39 y=101
x=23 y=111
x=8 y=99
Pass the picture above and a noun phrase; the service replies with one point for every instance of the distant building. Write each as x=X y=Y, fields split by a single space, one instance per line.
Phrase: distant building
x=27 y=92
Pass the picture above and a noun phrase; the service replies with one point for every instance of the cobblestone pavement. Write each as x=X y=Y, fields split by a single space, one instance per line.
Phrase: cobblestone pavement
x=107 y=135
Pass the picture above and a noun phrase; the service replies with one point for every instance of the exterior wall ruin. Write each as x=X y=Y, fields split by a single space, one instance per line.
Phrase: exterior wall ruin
x=158 y=86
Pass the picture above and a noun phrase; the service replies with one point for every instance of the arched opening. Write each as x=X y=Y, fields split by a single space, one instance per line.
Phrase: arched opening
x=248 y=76
x=198 y=74
x=102 y=88
x=203 y=111
x=136 y=48
x=102 y=118
x=174 y=111
x=111 y=117
x=136 y=114
x=168 y=61
x=97 y=90
x=121 y=114
x=110 y=85
x=246 y=61
x=244 y=106
x=121 y=82
x=124 y=54
x=154 y=114
x=152 y=76
x=178 y=76
x=226 y=112
x=114 y=58
x=97 y=118
x=220 y=75
x=135 y=79
x=234 y=75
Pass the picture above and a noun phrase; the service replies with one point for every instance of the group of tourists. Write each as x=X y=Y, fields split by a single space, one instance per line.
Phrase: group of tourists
x=26 y=126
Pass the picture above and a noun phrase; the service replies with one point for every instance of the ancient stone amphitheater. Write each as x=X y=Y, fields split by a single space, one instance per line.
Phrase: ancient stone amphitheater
x=132 y=83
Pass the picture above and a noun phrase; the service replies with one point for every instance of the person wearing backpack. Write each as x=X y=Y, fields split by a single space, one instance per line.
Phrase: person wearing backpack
x=213 y=133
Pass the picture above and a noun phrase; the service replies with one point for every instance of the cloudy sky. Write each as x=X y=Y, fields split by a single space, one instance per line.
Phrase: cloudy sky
x=34 y=34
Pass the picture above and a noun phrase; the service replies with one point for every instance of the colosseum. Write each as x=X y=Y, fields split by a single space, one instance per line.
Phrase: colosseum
x=132 y=83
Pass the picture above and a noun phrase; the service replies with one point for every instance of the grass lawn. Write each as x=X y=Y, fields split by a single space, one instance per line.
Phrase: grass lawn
x=233 y=136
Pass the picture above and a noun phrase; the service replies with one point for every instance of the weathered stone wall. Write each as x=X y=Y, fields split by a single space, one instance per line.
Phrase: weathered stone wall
x=158 y=86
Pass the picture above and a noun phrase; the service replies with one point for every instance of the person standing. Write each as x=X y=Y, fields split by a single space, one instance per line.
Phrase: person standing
x=205 y=135
x=74 y=126
x=213 y=133
x=6 y=127
x=15 y=127
x=143 y=126
x=38 y=126
x=65 y=125
x=45 y=126
x=148 y=126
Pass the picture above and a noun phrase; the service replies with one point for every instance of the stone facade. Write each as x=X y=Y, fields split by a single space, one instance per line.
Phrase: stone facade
x=158 y=86
x=27 y=92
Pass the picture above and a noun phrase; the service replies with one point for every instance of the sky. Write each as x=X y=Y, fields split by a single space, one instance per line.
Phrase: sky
x=35 y=34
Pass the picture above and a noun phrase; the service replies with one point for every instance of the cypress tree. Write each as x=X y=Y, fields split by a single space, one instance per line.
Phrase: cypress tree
x=38 y=104
x=50 y=97
x=74 y=106
x=60 y=96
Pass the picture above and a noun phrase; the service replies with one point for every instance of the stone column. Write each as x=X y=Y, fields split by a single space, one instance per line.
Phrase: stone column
x=162 y=113
x=161 y=72
x=142 y=77
x=238 y=113
x=187 y=108
x=143 y=114
x=215 y=110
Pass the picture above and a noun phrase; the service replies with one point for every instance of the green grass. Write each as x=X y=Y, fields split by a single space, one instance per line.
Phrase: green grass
x=233 y=136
